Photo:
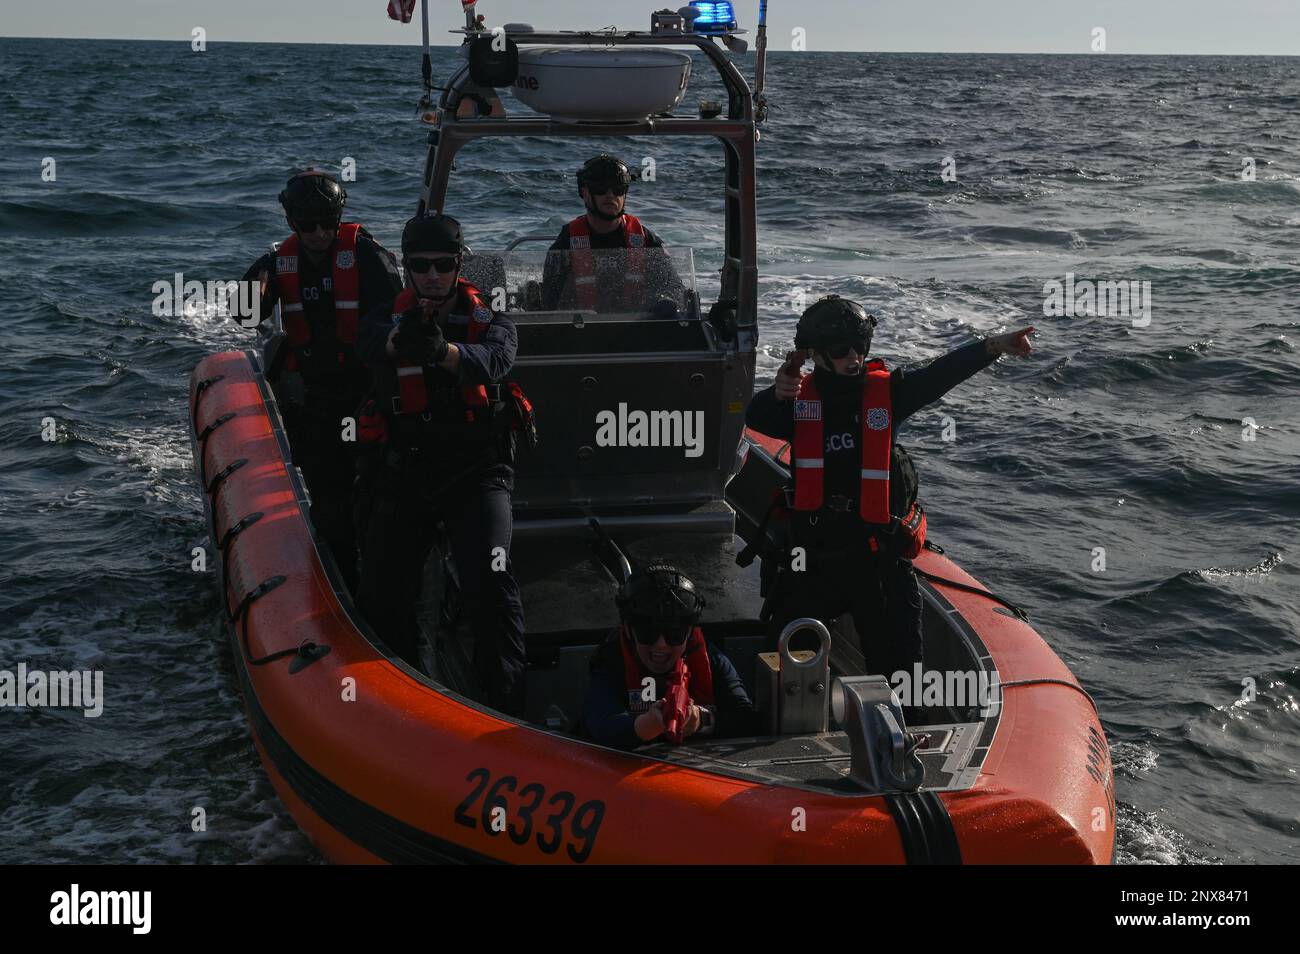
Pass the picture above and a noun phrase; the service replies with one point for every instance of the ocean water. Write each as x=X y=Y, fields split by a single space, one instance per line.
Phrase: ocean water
x=1125 y=433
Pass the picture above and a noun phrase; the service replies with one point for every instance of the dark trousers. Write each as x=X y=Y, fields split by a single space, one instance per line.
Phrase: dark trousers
x=881 y=593
x=398 y=528
x=328 y=465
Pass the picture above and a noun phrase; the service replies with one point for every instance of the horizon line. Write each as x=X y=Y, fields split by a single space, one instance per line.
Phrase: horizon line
x=750 y=52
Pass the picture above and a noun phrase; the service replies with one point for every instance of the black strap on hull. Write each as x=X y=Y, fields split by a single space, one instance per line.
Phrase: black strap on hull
x=925 y=829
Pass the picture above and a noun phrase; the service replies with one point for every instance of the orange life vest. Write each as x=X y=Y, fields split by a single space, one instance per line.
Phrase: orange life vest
x=346 y=290
x=583 y=262
x=877 y=441
x=411 y=384
x=697 y=661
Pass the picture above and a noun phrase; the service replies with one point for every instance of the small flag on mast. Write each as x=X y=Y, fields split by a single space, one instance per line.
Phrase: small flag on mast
x=401 y=10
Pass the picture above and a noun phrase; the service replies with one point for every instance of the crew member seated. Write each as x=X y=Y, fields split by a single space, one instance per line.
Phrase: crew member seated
x=635 y=281
x=632 y=673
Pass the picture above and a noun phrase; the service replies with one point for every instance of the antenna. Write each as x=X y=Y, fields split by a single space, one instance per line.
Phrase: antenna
x=760 y=68
x=611 y=549
x=426 y=64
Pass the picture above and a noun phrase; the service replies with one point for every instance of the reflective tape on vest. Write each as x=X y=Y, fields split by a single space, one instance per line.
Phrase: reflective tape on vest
x=411 y=384
x=877 y=443
x=346 y=289
x=583 y=263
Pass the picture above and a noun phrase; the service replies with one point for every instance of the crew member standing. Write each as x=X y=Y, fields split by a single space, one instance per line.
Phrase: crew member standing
x=441 y=357
x=324 y=276
x=852 y=505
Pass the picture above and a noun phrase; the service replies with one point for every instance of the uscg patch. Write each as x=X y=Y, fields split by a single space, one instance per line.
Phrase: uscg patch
x=877 y=418
x=285 y=264
x=344 y=259
x=807 y=410
x=482 y=316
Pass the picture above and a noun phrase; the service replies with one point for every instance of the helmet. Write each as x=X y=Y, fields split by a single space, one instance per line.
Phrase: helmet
x=659 y=597
x=604 y=168
x=833 y=320
x=313 y=194
x=433 y=232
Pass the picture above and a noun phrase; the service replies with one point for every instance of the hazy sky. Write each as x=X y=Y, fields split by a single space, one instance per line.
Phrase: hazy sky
x=1015 y=26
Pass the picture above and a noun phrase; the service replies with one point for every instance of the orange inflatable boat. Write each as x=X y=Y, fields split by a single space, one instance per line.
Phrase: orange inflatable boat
x=378 y=762
x=993 y=753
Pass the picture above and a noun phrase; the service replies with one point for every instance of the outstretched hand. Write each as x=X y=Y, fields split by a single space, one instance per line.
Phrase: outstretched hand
x=1013 y=342
x=787 y=378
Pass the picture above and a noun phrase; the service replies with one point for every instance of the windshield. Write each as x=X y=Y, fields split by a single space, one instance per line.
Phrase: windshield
x=628 y=282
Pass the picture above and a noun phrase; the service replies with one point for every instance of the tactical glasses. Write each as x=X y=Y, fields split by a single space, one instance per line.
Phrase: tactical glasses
x=312 y=225
x=421 y=265
x=842 y=350
x=647 y=634
x=600 y=188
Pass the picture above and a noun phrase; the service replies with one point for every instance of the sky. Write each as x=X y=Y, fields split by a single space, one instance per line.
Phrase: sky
x=1238 y=27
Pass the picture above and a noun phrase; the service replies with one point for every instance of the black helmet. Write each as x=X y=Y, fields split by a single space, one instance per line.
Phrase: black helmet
x=833 y=320
x=313 y=194
x=432 y=232
x=659 y=597
x=604 y=168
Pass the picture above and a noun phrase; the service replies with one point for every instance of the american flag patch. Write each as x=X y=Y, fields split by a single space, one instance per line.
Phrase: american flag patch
x=286 y=263
x=807 y=410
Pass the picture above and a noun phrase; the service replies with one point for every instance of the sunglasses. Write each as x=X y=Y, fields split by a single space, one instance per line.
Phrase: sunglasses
x=842 y=350
x=649 y=635
x=421 y=265
x=313 y=225
x=618 y=188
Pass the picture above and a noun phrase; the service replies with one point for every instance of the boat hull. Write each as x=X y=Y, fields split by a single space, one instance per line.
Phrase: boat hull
x=377 y=763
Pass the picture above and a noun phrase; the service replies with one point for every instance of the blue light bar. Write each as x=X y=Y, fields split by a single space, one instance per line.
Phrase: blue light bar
x=715 y=17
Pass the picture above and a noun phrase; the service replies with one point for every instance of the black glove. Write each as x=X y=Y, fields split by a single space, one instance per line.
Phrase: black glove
x=418 y=341
x=664 y=309
x=435 y=345
x=410 y=337
x=723 y=318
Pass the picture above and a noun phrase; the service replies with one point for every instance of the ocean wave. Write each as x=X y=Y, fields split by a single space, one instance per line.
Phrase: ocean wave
x=1262 y=568
x=78 y=214
x=1142 y=838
